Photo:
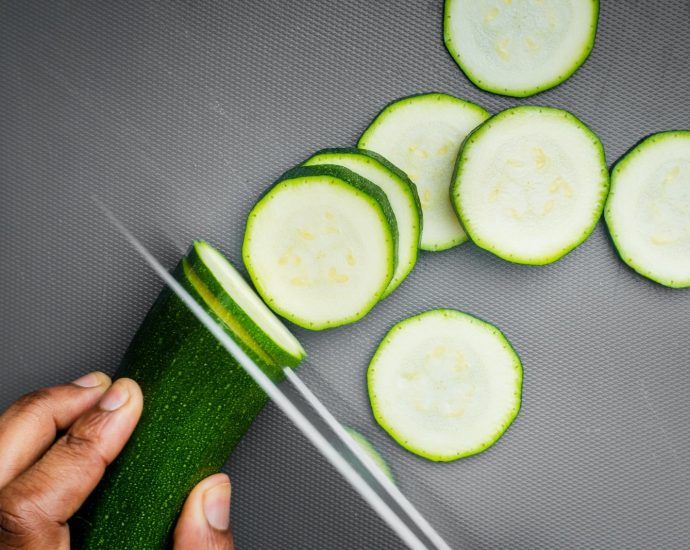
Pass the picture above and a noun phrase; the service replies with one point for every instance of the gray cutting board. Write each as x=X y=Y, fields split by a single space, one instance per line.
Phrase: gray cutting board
x=181 y=113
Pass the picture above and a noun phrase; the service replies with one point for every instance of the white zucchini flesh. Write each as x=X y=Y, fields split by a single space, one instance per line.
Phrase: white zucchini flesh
x=648 y=210
x=262 y=321
x=530 y=184
x=319 y=251
x=520 y=47
x=422 y=135
x=401 y=194
x=444 y=384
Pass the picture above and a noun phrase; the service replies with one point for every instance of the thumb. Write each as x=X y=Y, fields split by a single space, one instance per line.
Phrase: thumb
x=204 y=523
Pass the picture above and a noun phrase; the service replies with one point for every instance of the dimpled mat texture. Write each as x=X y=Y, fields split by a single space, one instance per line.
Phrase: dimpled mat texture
x=179 y=114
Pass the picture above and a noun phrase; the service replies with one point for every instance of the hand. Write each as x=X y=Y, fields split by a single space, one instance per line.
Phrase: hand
x=44 y=481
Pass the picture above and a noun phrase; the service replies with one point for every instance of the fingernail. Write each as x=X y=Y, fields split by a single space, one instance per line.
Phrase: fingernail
x=116 y=396
x=90 y=380
x=217 y=506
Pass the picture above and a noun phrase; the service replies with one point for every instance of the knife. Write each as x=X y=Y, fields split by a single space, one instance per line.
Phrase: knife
x=349 y=459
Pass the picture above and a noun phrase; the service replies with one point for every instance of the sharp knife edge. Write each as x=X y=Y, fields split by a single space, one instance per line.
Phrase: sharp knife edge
x=394 y=521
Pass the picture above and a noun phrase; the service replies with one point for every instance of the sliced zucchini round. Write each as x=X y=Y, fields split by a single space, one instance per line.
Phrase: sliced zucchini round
x=421 y=135
x=401 y=193
x=444 y=384
x=522 y=47
x=222 y=285
x=320 y=246
x=371 y=452
x=530 y=184
x=648 y=210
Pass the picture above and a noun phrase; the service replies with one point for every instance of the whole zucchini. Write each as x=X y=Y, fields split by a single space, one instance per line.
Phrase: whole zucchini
x=198 y=403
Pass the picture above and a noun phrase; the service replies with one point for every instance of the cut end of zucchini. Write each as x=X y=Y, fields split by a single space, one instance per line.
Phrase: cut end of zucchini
x=519 y=47
x=321 y=246
x=648 y=210
x=400 y=191
x=240 y=307
x=530 y=184
x=445 y=385
x=422 y=135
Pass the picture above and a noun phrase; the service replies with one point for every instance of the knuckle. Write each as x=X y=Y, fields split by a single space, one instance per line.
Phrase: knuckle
x=84 y=442
x=30 y=410
x=19 y=516
x=34 y=404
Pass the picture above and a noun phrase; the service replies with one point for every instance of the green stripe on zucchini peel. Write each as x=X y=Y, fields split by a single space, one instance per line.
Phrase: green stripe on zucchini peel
x=198 y=403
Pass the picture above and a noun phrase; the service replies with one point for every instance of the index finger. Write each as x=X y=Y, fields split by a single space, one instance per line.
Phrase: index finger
x=30 y=425
x=54 y=488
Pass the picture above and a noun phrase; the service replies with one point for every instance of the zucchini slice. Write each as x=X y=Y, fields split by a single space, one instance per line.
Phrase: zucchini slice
x=444 y=384
x=321 y=245
x=530 y=184
x=222 y=285
x=422 y=135
x=198 y=403
x=519 y=47
x=648 y=210
x=400 y=191
x=371 y=452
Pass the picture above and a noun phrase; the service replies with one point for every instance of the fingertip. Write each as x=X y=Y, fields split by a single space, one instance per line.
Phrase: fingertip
x=206 y=513
x=132 y=387
x=216 y=502
x=96 y=379
x=129 y=394
x=212 y=481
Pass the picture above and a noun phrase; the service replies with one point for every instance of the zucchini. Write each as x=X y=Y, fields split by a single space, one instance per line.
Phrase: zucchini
x=422 y=135
x=444 y=384
x=248 y=312
x=400 y=191
x=321 y=246
x=530 y=184
x=198 y=403
x=522 y=47
x=371 y=452
x=648 y=209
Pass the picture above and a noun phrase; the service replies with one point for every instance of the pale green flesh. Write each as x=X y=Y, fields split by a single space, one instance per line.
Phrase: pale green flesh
x=320 y=252
x=648 y=210
x=400 y=197
x=248 y=301
x=530 y=184
x=444 y=384
x=422 y=135
x=519 y=47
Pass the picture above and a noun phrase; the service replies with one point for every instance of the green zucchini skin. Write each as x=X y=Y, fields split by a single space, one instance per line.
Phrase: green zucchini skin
x=359 y=183
x=198 y=403
x=270 y=351
x=338 y=177
x=356 y=181
x=382 y=160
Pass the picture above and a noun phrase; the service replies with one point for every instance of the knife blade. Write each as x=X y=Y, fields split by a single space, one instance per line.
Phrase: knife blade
x=404 y=519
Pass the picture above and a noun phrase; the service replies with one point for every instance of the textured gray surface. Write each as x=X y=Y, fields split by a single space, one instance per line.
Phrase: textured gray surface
x=181 y=113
